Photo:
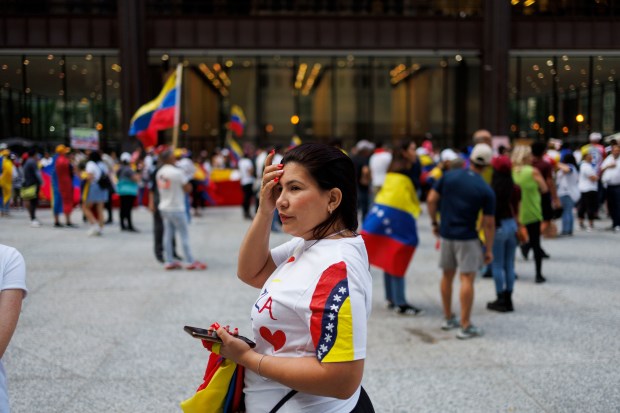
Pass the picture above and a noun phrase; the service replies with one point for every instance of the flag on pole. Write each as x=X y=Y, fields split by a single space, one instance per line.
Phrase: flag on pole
x=237 y=120
x=234 y=147
x=390 y=230
x=158 y=114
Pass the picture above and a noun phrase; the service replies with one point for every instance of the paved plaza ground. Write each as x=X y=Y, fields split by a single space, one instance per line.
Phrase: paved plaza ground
x=102 y=327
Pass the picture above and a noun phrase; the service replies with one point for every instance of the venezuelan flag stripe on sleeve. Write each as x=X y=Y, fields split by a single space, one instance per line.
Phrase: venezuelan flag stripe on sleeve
x=331 y=323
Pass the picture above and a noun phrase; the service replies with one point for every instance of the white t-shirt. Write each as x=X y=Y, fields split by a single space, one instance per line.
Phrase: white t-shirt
x=379 y=163
x=611 y=176
x=170 y=181
x=12 y=276
x=246 y=170
x=315 y=304
x=568 y=183
x=586 y=170
x=95 y=169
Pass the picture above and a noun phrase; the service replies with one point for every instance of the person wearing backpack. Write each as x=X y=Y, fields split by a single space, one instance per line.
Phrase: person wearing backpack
x=94 y=195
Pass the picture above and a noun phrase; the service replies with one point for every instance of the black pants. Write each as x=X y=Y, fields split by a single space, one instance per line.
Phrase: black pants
x=32 y=206
x=108 y=205
x=248 y=194
x=588 y=205
x=533 y=232
x=613 y=204
x=127 y=202
x=158 y=237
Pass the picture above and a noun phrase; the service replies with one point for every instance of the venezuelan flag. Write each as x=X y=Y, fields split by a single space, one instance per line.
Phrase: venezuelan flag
x=235 y=148
x=390 y=230
x=237 y=120
x=331 y=323
x=55 y=196
x=156 y=115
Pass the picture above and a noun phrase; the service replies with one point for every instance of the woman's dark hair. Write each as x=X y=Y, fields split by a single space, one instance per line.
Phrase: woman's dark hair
x=94 y=156
x=502 y=185
x=330 y=168
x=399 y=162
x=569 y=159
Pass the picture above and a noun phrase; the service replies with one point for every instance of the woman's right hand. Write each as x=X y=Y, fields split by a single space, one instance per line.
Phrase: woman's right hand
x=269 y=186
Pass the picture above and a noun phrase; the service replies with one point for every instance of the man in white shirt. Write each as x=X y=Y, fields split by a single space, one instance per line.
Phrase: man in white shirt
x=173 y=184
x=12 y=292
x=379 y=163
x=246 y=170
x=610 y=169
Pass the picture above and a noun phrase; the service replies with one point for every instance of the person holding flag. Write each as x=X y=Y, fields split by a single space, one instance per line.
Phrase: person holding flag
x=390 y=229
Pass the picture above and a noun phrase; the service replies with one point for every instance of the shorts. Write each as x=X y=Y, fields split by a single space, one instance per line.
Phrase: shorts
x=96 y=194
x=466 y=255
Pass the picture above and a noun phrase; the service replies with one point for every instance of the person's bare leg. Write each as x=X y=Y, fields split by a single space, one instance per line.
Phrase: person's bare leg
x=467 y=297
x=446 y=292
x=88 y=212
x=99 y=206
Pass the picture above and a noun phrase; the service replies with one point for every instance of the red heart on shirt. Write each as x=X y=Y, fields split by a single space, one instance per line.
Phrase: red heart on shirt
x=291 y=259
x=276 y=339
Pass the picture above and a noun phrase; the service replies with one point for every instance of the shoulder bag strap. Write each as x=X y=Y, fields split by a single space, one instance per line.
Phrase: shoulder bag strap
x=284 y=400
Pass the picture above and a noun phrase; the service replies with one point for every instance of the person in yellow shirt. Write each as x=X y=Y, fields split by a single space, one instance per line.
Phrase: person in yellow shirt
x=6 y=179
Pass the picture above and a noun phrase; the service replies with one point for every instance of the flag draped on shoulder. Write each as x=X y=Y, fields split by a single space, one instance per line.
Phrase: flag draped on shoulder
x=237 y=120
x=390 y=230
x=158 y=114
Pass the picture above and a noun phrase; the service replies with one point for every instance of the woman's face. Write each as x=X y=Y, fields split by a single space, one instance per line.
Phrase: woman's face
x=410 y=153
x=301 y=204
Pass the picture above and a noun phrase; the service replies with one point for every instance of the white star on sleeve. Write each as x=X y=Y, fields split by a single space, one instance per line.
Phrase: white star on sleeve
x=324 y=348
x=327 y=338
x=331 y=316
x=337 y=298
x=329 y=327
x=334 y=308
x=342 y=290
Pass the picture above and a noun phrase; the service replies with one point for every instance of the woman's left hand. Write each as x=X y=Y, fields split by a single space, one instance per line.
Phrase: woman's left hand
x=231 y=348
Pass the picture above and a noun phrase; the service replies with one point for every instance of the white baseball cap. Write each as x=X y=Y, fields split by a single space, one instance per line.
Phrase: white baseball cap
x=448 y=155
x=125 y=157
x=595 y=137
x=481 y=154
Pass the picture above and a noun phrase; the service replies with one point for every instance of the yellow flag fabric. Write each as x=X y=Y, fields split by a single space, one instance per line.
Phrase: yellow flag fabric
x=398 y=192
x=211 y=399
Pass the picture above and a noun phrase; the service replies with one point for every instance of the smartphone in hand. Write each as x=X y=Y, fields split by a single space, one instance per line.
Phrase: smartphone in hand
x=204 y=334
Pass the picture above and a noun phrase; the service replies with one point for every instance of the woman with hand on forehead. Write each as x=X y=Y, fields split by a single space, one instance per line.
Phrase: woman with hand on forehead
x=310 y=318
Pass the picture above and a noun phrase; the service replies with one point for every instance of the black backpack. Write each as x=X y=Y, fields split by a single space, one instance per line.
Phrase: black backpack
x=104 y=180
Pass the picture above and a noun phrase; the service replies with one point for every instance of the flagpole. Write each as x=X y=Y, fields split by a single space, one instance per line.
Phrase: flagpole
x=177 y=106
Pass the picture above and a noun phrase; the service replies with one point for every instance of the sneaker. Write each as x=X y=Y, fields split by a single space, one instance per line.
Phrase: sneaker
x=58 y=225
x=469 y=332
x=408 y=309
x=617 y=228
x=450 y=323
x=196 y=265
x=35 y=224
x=173 y=266
x=390 y=305
x=94 y=232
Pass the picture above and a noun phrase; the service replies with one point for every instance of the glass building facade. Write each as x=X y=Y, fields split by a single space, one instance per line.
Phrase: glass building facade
x=71 y=74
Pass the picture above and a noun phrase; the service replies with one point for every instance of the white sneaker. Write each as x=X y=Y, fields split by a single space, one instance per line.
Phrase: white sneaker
x=94 y=231
x=35 y=224
x=617 y=228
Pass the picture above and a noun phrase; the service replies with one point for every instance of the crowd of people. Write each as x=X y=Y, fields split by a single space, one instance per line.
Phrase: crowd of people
x=345 y=212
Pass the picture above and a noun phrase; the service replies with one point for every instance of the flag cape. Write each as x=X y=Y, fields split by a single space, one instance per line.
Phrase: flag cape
x=156 y=115
x=390 y=230
x=55 y=196
x=237 y=120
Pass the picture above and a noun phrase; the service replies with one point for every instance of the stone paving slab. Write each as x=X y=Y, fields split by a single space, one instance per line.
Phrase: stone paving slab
x=101 y=330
